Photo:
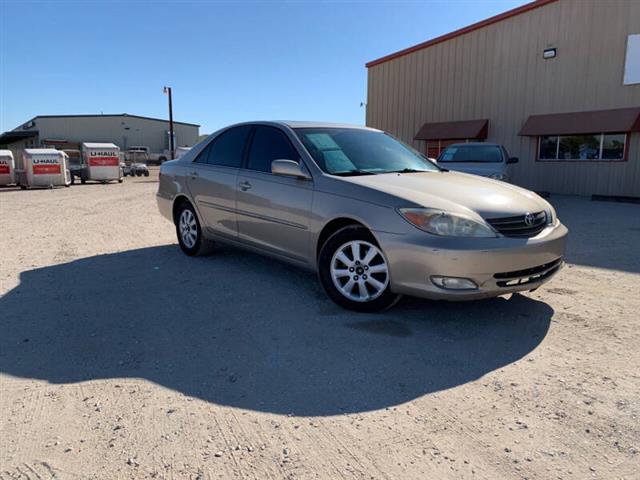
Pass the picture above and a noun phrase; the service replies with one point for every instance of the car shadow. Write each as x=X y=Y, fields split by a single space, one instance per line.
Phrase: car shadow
x=245 y=331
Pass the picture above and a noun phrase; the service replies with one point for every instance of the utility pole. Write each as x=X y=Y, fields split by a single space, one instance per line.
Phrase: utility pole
x=172 y=147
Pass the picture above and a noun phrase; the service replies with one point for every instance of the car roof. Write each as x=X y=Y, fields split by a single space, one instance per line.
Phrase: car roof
x=304 y=124
x=307 y=124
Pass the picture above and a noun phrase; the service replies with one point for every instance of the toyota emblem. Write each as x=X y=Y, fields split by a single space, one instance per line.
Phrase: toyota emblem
x=529 y=219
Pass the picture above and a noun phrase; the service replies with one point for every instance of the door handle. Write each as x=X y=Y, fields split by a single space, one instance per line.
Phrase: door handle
x=244 y=186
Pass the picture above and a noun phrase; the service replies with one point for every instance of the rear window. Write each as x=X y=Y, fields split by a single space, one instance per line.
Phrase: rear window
x=471 y=153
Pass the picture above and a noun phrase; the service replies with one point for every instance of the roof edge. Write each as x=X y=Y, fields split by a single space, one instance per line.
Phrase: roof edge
x=456 y=33
x=111 y=115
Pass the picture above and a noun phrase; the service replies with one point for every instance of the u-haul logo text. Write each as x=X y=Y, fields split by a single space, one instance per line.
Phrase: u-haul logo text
x=105 y=153
x=103 y=158
x=46 y=161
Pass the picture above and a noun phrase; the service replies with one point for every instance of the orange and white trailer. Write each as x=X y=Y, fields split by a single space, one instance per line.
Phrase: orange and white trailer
x=7 y=168
x=43 y=167
x=101 y=162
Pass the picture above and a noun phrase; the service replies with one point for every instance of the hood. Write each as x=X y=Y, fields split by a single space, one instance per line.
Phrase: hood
x=454 y=192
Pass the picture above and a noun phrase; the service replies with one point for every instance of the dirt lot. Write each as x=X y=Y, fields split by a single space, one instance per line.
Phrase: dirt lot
x=122 y=358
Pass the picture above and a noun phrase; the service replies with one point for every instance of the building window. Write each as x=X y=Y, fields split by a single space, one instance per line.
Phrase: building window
x=598 y=146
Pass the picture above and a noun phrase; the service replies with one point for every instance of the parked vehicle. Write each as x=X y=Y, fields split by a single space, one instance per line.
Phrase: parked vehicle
x=43 y=167
x=135 y=169
x=143 y=154
x=178 y=153
x=99 y=162
x=479 y=158
x=375 y=219
x=7 y=168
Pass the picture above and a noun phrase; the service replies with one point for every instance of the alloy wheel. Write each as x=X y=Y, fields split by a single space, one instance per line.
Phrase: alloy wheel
x=188 y=228
x=359 y=271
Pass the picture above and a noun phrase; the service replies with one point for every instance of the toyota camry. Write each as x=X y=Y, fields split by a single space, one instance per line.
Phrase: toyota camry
x=372 y=216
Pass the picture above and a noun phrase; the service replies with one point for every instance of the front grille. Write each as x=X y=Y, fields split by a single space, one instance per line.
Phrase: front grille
x=518 y=227
x=528 y=275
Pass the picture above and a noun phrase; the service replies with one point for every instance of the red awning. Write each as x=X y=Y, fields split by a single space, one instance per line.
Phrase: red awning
x=619 y=120
x=473 y=129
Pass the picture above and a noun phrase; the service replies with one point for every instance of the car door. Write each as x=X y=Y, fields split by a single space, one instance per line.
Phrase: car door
x=212 y=180
x=273 y=210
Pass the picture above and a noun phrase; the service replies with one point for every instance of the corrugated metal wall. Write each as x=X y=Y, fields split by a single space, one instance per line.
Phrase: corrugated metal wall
x=124 y=131
x=498 y=72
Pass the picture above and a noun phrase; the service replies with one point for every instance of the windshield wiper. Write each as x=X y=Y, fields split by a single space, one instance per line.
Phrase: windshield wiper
x=353 y=173
x=408 y=170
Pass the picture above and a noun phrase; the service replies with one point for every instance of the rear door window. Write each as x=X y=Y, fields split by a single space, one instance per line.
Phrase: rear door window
x=227 y=148
x=270 y=144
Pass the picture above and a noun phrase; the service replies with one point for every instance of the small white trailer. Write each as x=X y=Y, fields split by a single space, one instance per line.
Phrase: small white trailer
x=7 y=168
x=100 y=162
x=43 y=167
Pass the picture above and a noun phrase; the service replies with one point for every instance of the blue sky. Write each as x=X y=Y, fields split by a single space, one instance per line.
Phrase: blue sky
x=226 y=61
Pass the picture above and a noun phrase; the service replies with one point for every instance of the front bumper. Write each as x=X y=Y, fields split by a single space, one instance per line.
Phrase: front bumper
x=497 y=265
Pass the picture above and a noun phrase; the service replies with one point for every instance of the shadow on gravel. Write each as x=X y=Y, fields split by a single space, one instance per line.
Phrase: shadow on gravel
x=241 y=330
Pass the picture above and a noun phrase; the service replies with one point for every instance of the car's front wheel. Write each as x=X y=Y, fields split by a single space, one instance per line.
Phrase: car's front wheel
x=189 y=232
x=354 y=271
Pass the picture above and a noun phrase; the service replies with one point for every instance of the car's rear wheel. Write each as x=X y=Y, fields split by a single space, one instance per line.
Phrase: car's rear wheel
x=189 y=232
x=354 y=271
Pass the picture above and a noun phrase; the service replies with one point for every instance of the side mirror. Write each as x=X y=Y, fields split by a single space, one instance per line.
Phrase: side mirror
x=433 y=160
x=289 y=168
x=512 y=160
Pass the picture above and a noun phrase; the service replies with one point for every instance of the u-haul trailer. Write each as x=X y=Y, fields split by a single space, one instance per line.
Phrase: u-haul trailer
x=43 y=167
x=7 y=168
x=100 y=162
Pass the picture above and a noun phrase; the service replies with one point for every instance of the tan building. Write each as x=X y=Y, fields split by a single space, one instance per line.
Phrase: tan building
x=122 y=129
x=557 y=82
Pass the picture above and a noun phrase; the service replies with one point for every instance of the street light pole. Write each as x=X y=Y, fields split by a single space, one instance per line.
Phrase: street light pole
x=172 y=149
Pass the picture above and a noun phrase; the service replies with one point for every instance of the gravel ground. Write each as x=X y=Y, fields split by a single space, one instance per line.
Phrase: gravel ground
x=122 y=358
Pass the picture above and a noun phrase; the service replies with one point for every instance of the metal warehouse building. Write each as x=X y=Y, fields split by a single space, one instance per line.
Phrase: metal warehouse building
x=556 y=81
x=122 y=129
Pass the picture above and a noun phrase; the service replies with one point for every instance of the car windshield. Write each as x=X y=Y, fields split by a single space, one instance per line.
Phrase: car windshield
x=351 y=151
x=471 y=153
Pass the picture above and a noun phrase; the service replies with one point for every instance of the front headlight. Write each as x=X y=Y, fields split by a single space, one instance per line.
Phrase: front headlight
x=445 y=224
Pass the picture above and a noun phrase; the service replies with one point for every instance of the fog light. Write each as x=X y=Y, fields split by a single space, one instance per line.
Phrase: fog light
x=454 y=283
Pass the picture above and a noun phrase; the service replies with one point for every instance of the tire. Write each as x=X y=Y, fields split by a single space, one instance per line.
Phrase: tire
x=192 y=243
x=139 y=173
x=352 y=283
x=83 y=181
x=120 y=180
x=73 y=179
x=146 y=173
x=23 y=187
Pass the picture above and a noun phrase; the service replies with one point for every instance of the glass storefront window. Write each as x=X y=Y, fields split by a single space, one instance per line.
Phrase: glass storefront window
x=579 y=147
x=548 y=148
x=600 y=146
x=613 y=146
